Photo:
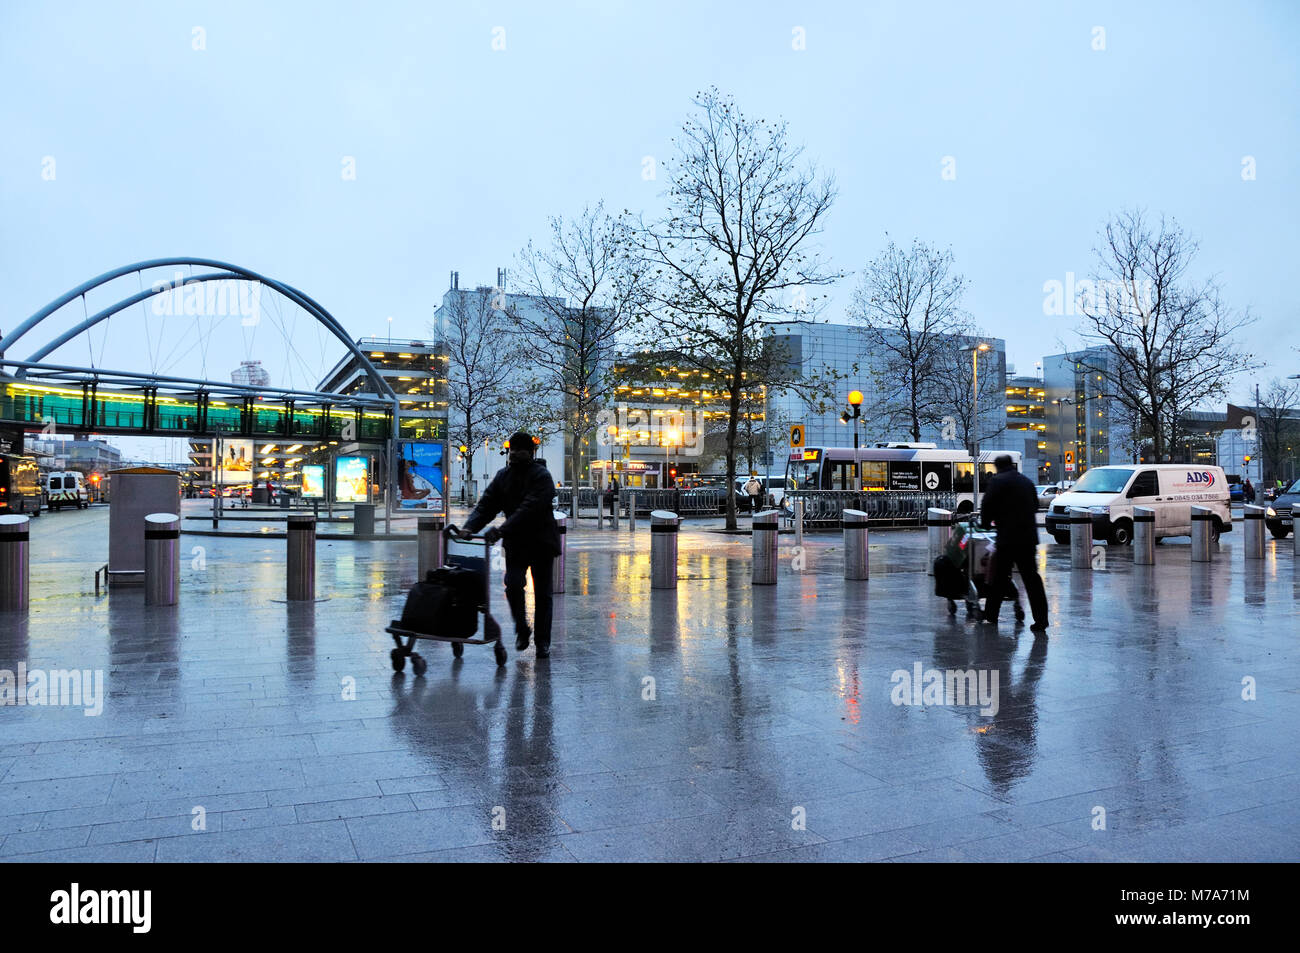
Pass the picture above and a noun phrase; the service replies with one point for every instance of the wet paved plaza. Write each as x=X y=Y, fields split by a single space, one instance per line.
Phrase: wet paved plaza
x=718 y=722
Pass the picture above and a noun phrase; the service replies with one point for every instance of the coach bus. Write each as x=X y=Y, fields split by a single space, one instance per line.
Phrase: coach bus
x=892 y=468
x=20 y=485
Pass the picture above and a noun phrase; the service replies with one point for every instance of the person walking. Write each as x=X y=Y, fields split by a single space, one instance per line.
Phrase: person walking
x=1011 y=505
x=754 y=490
x=1248 y=491
x=611 y=497
x=522 y=490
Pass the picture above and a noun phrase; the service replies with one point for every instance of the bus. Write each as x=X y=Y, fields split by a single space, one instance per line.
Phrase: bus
x=892 y=468
x=20 y=485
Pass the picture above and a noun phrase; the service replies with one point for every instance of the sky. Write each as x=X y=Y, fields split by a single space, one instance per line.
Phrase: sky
x=226 y=130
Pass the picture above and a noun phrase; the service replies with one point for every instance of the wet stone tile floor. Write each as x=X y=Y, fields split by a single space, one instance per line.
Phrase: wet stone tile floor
x=720 y=721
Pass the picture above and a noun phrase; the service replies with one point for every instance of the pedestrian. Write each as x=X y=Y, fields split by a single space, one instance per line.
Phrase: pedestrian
x=270 y=494
x=1248 y=491
x=611 y=496
x=754 y=490
x=1011 y=505
x=522 y=490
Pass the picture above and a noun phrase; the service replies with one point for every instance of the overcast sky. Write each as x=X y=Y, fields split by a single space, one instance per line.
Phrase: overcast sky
x=237 y=151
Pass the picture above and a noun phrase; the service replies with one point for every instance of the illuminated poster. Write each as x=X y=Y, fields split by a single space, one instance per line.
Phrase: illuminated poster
x=351 y=479
x=236 y=462
x=313 y=482
x=419 y=475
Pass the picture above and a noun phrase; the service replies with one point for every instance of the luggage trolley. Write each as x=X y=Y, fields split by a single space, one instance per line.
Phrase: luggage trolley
x=472 y=555
x=972 y=543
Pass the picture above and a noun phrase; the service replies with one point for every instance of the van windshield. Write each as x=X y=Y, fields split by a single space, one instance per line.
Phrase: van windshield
x=1103 y=481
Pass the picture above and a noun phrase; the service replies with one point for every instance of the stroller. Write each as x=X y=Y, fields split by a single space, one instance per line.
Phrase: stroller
x=951 y=580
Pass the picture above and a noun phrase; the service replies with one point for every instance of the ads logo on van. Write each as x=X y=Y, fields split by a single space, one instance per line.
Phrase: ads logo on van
x=1201 y=478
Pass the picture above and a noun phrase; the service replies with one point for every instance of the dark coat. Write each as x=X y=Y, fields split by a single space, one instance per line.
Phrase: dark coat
x=1011 y=504
x=523 y=492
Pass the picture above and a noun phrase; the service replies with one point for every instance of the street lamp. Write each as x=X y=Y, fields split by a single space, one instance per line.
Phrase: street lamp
x=974 y=428
x=853 y=412
x=612 y=430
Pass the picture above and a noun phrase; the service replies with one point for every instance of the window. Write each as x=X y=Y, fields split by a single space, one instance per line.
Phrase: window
x=1146 y=484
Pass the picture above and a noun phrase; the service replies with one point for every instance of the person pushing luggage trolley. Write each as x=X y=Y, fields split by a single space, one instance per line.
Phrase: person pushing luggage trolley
x=523 y=491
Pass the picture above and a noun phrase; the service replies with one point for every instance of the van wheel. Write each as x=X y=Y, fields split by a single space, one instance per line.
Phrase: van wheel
x=1216 y=530
x=1121 y=534
x=1062 y=538
x=1280 y=533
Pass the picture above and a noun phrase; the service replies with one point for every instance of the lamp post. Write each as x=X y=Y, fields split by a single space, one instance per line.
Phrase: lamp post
x=974 y=429
x=853 y=412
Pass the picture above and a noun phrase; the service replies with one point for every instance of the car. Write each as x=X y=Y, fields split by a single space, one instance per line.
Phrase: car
x=1046 y=493
x=1278 y=515
x=773 y=487
x=1237 y=492
x=1110 y=493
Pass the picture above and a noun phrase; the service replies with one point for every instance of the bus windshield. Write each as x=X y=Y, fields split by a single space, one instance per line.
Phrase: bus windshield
x=1103 y=481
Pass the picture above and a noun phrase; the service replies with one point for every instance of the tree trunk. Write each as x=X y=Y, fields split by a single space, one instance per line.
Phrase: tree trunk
x=737 y=380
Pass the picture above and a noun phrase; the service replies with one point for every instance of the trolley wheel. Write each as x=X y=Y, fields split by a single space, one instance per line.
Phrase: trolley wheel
x=399 y=659
x=952 y=607
x=500 y=651
x=418 y=665
x=458 y=649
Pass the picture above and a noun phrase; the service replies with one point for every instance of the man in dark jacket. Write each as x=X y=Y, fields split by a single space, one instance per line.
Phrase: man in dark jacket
x=1011 y=505
x=523 y=491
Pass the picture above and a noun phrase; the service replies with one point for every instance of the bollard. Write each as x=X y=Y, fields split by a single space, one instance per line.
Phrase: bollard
x=1080 y=538
x=631 y=511
x=430 y=546
x=14 y=567
x=1202 y=530
x=613 y=513
x=162 y=559
x=363 y=519
x=301 y=562
x=939 y=531
x=854 y=524
x=557 y=567
x=1295 y=535
x=663 y=549
x=765 y=538
x=1144 y=536
x=1254 y=531
x=798 y=523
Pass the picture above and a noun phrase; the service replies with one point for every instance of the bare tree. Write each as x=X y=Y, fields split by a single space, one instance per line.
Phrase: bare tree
x=1170 y=341
x=585 y=292
x=953 y=378
x=1279 y=426
x=482 y=368
x=731 y=254
x=909 y=301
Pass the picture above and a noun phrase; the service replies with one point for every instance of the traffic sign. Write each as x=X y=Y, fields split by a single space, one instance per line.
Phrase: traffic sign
x=1069 y=459
x=796 y=435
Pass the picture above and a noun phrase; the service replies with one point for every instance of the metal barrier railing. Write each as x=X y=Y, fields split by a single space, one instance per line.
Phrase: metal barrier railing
x=896 y=508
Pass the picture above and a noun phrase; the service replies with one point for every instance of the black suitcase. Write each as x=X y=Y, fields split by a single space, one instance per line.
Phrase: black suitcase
x=446 y=603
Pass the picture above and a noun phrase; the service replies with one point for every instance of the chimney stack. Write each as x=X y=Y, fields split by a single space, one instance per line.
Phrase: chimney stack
x=501 y=278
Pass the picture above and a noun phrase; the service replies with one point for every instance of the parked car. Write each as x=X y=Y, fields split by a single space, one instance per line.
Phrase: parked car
x=1109 y=494
x=773 y=489
x=1279 y=515
x=1236 y=492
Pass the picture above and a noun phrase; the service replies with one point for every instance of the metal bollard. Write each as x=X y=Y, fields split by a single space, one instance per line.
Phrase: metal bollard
x=631 y=511
x=798 y=523
x=1202 y=530
x=765 y=530
x=663 y=549
x=557 y=567
x=1295 y=534
x=162 y=559
x=14 y=567
x=430 y=546
x=301 y=562
x=854 y=524
x=1144 y=536
x=1080 y=538
x=1254 y=531
x=939 y=531
x=613 y=513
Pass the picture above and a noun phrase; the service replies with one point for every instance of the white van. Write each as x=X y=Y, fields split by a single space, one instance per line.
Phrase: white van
x=1169 y=489
x=66 y=488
